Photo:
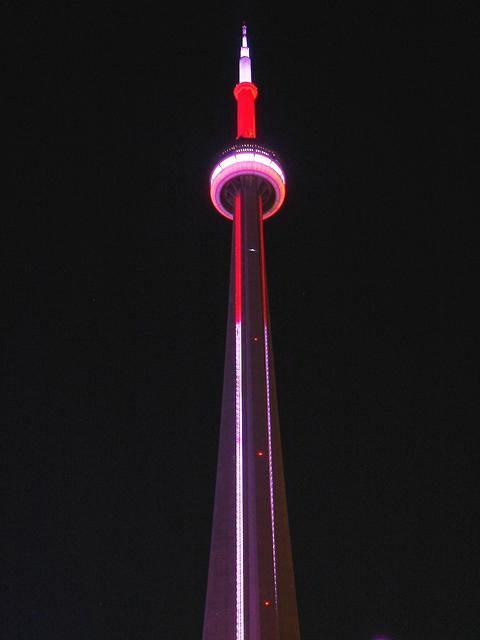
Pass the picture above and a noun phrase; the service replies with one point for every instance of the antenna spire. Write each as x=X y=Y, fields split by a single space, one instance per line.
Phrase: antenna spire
x=244 y=35
x=245 y=65
x=245 y=92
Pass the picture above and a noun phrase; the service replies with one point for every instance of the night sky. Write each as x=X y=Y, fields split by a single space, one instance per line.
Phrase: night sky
x=115 y=304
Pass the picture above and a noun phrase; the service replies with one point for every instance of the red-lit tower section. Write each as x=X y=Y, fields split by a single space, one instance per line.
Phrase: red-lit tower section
x=251 y=588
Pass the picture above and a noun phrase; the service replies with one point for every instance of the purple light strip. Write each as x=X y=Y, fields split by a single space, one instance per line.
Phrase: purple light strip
x=270 y=462
x=239 y=480
x=239 y=526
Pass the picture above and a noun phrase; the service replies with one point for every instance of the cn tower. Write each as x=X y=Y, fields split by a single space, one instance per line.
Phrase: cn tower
x=251 y=587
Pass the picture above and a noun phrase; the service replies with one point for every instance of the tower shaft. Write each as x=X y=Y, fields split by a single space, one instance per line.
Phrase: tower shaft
x=251 y=590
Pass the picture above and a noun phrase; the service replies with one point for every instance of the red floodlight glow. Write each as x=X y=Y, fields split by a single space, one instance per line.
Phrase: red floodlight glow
x=245 y=94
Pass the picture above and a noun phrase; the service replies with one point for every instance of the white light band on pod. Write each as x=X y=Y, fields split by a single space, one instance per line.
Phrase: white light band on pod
x=247 y=163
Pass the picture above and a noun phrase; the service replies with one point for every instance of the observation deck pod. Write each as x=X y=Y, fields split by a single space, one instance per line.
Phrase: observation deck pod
x=247 y=158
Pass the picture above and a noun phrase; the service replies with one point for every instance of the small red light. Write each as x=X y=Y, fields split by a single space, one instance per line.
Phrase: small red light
x=267 y=603
x=255 y=339
x=259 y=453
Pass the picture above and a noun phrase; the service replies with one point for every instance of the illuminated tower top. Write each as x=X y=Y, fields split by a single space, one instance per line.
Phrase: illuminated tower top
x=245 y=64
x=246 y=156
x=245 y=92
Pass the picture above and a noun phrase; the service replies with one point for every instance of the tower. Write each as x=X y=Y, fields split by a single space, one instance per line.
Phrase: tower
x=251 y=588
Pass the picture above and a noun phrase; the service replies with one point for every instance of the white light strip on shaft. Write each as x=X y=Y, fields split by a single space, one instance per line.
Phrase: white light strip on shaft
x=270 y=462
x=269 y=411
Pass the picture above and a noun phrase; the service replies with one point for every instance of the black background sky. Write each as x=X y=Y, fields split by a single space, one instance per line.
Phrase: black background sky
x=115 y=314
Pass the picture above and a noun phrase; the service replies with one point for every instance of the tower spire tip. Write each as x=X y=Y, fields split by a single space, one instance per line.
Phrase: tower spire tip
x=244 y=35
x=245 y=64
